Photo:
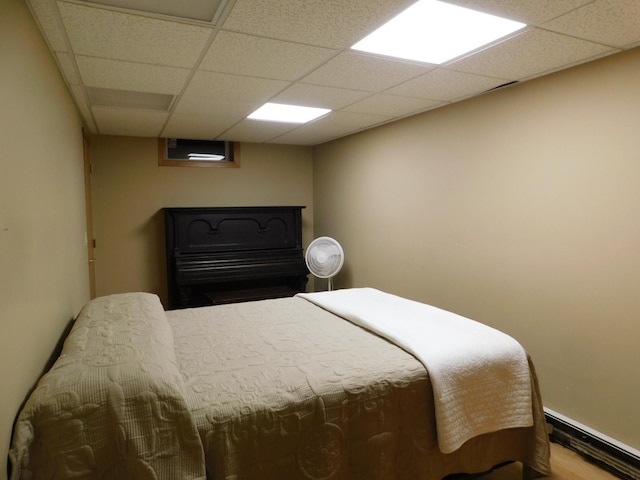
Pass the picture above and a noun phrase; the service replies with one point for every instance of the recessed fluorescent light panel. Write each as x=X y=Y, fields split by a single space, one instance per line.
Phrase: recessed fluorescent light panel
x=279 y=112
x=434 y=32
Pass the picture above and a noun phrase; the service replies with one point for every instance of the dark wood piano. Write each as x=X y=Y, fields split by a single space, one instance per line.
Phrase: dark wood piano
x=219 y=255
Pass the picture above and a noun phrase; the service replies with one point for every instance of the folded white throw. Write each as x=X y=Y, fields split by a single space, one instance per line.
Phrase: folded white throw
x=480 y=376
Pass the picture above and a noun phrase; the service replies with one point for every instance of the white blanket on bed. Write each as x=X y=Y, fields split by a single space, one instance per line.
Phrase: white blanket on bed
x=480 y=376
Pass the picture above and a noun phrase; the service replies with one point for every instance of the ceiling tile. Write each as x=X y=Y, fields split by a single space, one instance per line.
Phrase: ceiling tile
x=205 y=127
x=203 y=10
x=108 y=97
x=303 y=137
x=529 y=54
x=531 y=12
x=364 y=72
x=446 y=85
x=208 y=90
x=125 y=121
x=224 y=114
x=328 y=23
x=319 y=96
x=333 y=125
x=241 y=54
x=140 y=77
x=611 y=22
x=256 y=131
x=392 y=105
x=109 y=34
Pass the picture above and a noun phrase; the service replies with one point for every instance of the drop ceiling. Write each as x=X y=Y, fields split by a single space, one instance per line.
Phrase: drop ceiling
x=197 y=68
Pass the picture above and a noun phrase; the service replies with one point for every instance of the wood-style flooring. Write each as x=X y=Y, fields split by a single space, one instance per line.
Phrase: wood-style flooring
x=566 y=465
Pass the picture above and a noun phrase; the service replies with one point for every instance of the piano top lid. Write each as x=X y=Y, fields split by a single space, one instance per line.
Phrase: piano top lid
x=193 y=230
x=230 y=209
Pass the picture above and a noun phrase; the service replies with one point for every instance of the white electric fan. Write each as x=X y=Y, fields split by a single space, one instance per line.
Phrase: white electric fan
x=324 y=258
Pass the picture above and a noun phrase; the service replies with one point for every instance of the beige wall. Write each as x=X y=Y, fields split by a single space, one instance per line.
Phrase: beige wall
x=520 y=209
x=130 y=189
x=43 y=258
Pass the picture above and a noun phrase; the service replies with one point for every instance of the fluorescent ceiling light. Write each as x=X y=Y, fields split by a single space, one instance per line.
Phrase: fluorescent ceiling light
x=435 y=32
x=278 y=112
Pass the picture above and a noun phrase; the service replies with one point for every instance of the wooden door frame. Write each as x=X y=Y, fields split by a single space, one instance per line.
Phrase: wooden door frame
x=91 y=259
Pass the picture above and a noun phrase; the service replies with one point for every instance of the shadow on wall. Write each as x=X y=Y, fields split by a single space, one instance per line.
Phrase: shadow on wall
x=344 y=279
x=152 y=234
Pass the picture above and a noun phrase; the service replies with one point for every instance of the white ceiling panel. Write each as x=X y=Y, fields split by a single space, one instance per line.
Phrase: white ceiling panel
x=145 y=123
x=364 y=72
x=446 y=85
x=398 y=106
x=198 y=68
x=610 y=22
x=257 y=131
x=249 y=55
x=333 y=125
x=105 y=33
x=530 y=54
x=203 y=10
x=531 y=12
x=201 y=127
x=303 y=137
x=319 y=96
x=327 y=23
x=223 y=114
x=209 y=90
x=108 y=97
x=139 y=77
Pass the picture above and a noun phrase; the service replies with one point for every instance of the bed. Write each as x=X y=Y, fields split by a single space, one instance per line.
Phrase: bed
x=274 y=389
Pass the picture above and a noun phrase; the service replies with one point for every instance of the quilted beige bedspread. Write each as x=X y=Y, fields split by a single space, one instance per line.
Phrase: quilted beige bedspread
x=281 y=389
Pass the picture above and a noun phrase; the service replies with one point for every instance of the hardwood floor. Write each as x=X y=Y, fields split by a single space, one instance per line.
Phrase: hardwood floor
x=566 y=465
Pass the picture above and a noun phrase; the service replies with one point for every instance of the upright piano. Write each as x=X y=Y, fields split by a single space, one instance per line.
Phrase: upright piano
x=218 y=255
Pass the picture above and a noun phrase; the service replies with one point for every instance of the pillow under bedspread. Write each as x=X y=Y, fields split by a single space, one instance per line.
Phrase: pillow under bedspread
x=112 y=406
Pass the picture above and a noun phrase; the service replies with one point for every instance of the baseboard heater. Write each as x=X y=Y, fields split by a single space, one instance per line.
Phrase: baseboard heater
x=620 y=461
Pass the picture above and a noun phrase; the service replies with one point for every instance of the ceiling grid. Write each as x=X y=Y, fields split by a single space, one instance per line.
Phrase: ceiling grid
x=212 y=63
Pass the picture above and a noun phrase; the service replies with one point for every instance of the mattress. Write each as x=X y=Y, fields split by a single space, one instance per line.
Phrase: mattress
x=284 y=389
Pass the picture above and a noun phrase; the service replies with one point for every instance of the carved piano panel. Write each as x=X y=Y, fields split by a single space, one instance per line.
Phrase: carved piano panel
x=228 y=254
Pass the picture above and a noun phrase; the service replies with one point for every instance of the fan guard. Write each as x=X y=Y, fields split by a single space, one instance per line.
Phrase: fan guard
x=324 y=258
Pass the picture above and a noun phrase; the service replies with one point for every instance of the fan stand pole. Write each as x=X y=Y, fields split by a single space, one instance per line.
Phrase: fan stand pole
x=330 y=283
